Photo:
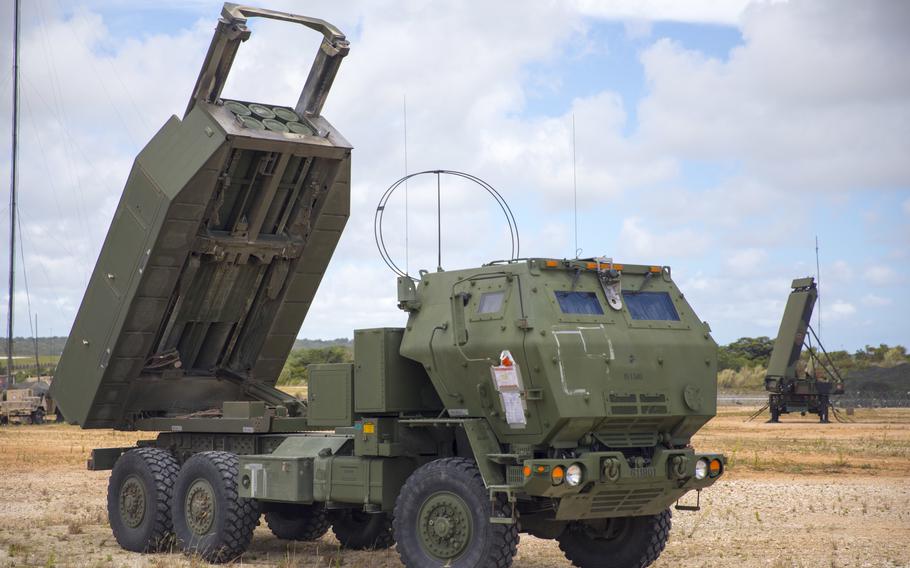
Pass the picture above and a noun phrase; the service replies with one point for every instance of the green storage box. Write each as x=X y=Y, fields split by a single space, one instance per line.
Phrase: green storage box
x=330 y=397
x=386 y=382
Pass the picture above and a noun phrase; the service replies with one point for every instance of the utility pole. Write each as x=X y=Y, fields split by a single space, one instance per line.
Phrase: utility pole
x=14 y=162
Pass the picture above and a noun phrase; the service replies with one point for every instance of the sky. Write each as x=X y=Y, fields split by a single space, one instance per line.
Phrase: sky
x=719 y=138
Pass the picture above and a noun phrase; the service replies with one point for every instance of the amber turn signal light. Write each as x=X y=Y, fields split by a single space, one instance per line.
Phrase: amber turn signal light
x=714 y=467
x=558 y=475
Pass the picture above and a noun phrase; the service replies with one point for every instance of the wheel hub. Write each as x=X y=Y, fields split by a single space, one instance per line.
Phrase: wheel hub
x=445 y=525
x=132 y=501
x=199 y=506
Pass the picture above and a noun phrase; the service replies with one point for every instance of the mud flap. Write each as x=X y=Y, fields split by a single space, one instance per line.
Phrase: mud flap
x=483 y=445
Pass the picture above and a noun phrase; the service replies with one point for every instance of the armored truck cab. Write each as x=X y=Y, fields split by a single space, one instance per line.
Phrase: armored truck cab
x=632 y=368
x=555 y=397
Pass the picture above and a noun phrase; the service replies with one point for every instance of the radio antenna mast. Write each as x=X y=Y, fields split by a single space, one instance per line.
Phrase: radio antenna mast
x=14 y=179
x=407 y=248
x=574 y=190
x=818 y=286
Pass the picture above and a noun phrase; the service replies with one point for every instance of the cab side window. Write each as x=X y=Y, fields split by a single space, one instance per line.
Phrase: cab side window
x=491 y=302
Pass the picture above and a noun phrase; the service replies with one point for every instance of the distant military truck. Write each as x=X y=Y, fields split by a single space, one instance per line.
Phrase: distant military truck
x=27 y=405
x=792 y=388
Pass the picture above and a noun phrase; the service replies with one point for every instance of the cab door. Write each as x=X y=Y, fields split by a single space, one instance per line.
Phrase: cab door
x=486 y=310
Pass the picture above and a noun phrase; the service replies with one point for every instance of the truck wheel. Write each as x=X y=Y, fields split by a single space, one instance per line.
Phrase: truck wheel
x=775 y=414
x=139 y=499
x=442 y=518
x=297 y=522
x=210 y=519
x=59 y=416
x=358 y=530
x=38 y=416
x=616 y=543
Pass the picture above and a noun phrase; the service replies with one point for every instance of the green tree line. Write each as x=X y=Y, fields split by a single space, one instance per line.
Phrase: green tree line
x=295 y=369
x=742 y=364
x=756 y=352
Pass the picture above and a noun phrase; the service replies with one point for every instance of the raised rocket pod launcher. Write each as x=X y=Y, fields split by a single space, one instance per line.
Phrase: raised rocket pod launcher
x=553 y=397
x=225 y=228
x=791 y=390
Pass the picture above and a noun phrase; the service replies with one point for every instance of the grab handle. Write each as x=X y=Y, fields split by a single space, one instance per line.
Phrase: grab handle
x=232 y=30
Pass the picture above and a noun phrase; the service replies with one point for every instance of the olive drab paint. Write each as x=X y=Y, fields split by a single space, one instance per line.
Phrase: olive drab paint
x=600 y=372
x=215 y=252
x=563 y=392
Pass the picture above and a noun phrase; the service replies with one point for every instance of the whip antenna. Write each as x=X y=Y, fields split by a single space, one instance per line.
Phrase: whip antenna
x=407 y=249
x=574 y=190
x=818 y=286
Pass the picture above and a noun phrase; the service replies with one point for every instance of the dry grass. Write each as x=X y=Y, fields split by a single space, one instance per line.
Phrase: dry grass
x=877 y=443
x=796 y=494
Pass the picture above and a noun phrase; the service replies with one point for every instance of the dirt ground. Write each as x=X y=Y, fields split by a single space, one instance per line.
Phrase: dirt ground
x=794 y=494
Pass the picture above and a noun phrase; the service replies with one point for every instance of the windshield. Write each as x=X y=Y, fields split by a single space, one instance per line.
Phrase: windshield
x=650 y=306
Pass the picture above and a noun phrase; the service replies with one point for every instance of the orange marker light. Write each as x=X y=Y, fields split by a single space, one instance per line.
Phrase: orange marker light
x=558 y=475
x=592 y=266
x=655 y=269
x=552 y=263
x=617 y=267
x=714 y=468
x=526 y=471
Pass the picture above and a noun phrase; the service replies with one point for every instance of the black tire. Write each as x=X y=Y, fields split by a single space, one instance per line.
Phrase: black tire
x=297 y=522
x=626 y=542
x=490 y=546
x=38 y=416
x=220 y=524
x=58 y=416
x=149 y=475
x=358 y=530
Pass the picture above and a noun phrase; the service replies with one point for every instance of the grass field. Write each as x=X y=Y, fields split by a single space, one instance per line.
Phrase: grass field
x=795 y=494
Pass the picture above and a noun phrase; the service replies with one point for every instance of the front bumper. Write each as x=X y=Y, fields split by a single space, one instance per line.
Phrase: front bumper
x=611 y=486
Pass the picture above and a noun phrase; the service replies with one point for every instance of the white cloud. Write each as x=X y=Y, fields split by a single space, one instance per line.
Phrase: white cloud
x=638 y=29
x=747 y=261
x=727 y=12
x=650 y=243
x=875 y=301
x=879 y=274
x=815 y=99
x=840 y=310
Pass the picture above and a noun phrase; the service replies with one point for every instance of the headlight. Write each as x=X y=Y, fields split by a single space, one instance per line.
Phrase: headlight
x=701 y=469
x=574 y=474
